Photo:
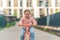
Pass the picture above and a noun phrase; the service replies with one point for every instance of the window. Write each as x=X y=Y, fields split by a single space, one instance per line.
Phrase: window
x=9 y=11
x=57 y=10
x=21 y=13
x=9 y=2
x=43 y=3
x=57 y=4
x=15 y=12
x=42 y=12
x=20 y=3
x=46 y=4
x=40 y=3
x=47 y=11
x=29 y=3
x=51 y=11
x=32 y=12
x=15 y=3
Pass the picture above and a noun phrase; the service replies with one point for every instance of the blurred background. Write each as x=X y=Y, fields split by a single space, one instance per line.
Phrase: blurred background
x=45 y=11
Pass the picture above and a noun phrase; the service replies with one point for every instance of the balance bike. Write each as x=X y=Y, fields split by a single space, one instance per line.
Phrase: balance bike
x=27 y=33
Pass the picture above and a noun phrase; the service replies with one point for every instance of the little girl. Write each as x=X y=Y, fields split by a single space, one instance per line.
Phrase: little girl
x=27 y=19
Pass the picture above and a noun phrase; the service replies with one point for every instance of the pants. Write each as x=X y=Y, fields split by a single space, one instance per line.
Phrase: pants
x=32 y=37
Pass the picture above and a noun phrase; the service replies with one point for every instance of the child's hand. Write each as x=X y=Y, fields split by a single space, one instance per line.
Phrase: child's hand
x=27 y=24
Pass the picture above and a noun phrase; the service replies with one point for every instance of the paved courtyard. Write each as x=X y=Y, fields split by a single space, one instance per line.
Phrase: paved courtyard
x=13 y=33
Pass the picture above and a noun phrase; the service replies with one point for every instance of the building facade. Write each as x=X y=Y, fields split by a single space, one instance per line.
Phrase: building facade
x=39 y=8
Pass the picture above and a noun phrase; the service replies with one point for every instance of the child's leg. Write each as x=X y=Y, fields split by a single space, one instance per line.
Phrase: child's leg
x=32 y=37
x=22 y=34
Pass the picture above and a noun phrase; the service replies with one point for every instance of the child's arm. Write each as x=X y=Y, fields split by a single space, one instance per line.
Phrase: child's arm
x=34 y=22
x=20 y=22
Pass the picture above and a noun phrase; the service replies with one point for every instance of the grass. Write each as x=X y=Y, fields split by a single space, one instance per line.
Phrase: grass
x=17 y=19
x=54 y=33
x=1 y=28
x=10 y=24
x=47 y=30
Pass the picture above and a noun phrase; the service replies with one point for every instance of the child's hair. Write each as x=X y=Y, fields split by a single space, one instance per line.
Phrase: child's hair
x=27 y=10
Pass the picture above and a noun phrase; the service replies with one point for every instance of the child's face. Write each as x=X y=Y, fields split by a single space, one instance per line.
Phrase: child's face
x=27 y=14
